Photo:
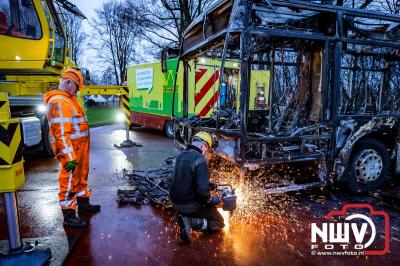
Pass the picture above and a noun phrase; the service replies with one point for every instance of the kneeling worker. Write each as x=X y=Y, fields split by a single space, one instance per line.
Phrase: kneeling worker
x=69 y=131
x=190 y=192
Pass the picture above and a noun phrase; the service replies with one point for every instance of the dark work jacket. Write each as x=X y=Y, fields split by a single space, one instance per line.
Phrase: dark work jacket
x=190 y=191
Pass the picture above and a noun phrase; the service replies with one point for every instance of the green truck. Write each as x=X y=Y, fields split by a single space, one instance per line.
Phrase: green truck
x=151 y=90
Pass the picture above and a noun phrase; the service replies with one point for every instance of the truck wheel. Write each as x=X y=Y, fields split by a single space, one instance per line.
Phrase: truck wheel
x=47 y=149
x=369 y=166
x=169 y=129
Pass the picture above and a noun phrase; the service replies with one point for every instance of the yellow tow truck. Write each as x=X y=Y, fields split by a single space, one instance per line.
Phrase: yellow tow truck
x=34 y=51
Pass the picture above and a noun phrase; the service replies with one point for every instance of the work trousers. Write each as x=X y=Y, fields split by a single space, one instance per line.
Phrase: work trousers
x=215 y=221
x=74 y=184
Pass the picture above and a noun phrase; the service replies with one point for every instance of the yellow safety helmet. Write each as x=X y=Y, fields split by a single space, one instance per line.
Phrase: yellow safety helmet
x=205 y=136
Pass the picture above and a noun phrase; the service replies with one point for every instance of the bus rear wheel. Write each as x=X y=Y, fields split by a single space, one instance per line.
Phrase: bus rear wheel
x=368 y=166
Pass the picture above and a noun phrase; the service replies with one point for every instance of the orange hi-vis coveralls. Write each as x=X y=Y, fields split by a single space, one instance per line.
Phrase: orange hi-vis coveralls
x=69 y=131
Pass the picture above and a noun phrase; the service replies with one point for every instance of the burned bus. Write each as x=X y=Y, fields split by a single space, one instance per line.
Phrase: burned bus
x=333 y=88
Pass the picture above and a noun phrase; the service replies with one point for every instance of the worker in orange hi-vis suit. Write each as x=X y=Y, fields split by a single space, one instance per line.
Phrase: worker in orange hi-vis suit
x=69 y=131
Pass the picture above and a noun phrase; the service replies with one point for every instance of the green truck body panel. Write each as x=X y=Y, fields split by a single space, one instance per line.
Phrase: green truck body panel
x=157 y=98
x=151 y=90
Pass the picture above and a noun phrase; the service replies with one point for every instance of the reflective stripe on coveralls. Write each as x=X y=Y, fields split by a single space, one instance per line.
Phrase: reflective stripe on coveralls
x=79 y=135
x=204 y=227
x=69 y=153
x=69 y=186
x=67 y=203
x=75 y=121
x=85 y=193
x=63 y=133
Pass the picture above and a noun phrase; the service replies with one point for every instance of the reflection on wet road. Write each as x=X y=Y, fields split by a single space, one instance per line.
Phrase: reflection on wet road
x=263 y=231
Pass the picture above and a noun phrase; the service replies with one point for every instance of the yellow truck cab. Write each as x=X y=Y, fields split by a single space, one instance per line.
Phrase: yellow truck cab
x=34 y=51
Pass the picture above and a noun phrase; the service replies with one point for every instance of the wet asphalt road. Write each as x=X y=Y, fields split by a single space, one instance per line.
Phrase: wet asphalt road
x=276 y=235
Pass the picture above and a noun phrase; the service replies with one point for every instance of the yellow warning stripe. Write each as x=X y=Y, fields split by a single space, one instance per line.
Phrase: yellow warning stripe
x=209 y=74
x=10 y=142
x=4 y=107
x=103 y=90
x=125 y=105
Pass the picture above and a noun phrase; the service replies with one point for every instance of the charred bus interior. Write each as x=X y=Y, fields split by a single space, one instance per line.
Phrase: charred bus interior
x=332 y=76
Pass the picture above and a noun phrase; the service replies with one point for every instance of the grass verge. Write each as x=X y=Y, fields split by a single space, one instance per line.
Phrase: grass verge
x=99 y=116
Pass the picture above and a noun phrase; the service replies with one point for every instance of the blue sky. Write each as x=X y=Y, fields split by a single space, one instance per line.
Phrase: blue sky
x=88 y=6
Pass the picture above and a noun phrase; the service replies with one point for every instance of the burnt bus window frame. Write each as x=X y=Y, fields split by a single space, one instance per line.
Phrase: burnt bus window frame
x=324 y=46
x=389 y=59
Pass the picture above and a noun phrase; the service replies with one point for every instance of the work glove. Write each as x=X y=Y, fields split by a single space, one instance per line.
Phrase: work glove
x=70 y=166
x=215 y=200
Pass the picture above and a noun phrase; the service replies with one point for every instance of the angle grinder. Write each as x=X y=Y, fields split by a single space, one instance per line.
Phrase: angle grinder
x=227 y=194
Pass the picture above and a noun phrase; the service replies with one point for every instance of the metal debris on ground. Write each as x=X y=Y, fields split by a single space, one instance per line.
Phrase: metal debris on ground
x=131 y=195
x=148 y=186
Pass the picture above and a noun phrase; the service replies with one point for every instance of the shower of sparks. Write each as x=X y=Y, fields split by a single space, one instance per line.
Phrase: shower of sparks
x=226 y=217
x=273 y=216
x=274 y=222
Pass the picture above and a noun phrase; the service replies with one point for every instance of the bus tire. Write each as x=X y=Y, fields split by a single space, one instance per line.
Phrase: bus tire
x=368 y=166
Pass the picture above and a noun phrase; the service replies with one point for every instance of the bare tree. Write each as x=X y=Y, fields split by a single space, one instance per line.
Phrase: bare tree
x=114 y=38
x=107 y=77
x=164 y=21
x=390 y=6
x=75 y=37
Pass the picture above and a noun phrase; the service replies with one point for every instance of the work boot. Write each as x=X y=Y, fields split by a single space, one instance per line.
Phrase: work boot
x=184 y=228
x=71 y=220
x=85 y=207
